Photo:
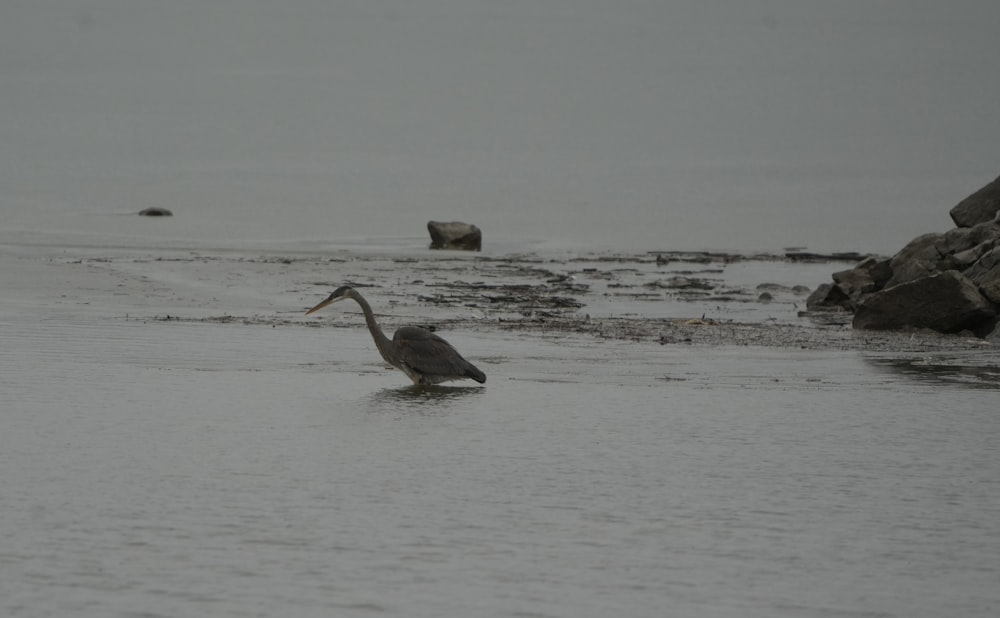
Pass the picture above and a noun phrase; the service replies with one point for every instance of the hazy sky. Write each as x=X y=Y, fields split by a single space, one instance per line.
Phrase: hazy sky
x=733 y=124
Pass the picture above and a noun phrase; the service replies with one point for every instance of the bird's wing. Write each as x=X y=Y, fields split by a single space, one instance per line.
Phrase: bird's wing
x=429 y=354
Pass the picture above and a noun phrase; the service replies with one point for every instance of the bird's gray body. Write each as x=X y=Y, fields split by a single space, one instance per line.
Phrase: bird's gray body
x=423 y=356
x=429 y=359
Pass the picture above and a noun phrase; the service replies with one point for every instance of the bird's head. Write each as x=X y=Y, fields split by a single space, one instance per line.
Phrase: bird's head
x=340 y=293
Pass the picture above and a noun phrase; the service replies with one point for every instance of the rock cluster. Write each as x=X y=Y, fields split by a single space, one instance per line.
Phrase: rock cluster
x=948 y=282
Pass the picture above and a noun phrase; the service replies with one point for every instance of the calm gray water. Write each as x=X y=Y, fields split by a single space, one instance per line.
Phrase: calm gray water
x=186 y=469
x=740 y=125
x=165 y=469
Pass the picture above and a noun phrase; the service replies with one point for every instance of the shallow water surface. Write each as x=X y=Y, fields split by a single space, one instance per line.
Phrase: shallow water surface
x=170 y=468
x=251 y=465
x=732 y=125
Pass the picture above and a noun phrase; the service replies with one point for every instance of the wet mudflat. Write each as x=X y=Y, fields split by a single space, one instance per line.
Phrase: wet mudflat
x=178 y=439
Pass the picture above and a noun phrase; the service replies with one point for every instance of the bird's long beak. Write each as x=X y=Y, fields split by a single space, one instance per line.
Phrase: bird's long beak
x=330 y=300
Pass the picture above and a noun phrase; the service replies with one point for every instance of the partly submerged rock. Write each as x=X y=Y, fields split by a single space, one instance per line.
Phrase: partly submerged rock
x=981 y=206
x=155 y=211
x=947 y=302
x=455 y=235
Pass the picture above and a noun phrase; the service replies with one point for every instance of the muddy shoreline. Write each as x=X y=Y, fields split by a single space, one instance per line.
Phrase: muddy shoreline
x=670 y=298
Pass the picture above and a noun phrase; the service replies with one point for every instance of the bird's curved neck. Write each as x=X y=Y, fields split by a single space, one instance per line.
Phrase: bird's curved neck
x=382 y=342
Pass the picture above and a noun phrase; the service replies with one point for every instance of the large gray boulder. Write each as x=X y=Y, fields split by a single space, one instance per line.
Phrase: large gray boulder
x=930 y=254
x=850 y=286
x=869 y=275
x=979 y=207
x=455 y=235
x=855 y=282
x=985 y=273
x=965 y=259
x=961 y=239
x=991 y=331
x=919 y=258
x=947 y=302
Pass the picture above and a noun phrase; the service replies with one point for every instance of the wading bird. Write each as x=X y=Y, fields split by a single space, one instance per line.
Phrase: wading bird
x=417 y=352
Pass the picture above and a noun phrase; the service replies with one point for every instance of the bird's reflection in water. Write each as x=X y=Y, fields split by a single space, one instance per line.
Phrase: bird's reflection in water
x=431 y=400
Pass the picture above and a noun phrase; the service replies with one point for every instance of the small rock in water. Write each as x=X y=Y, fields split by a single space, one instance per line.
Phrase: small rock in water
x=455 y=235
x=155 y=211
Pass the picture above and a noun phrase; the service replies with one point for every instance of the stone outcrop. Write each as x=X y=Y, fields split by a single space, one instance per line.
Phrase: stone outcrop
x=919 y=258
x=948 y=281
x=985 y=273
x=455 y=235
x=979 y=207
x=946 y=302
x=851 y=286
x=829 y=297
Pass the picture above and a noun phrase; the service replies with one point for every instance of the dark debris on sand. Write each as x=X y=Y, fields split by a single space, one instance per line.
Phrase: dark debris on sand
x=550 y=297
x=556 y=297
